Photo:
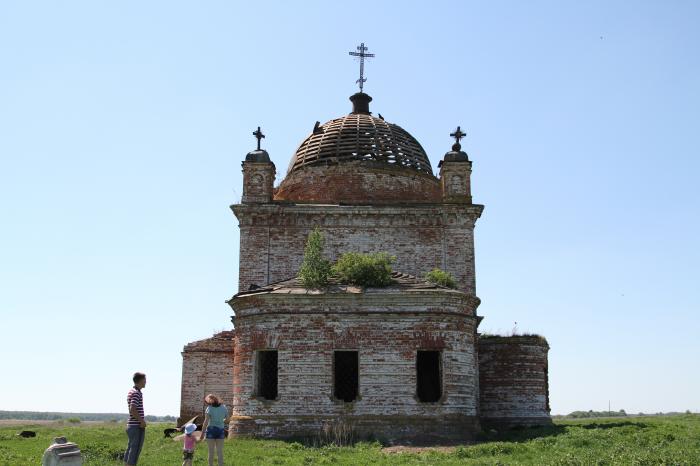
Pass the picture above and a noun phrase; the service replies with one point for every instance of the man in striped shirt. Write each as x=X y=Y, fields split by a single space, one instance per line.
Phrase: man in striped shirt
x=136 y=425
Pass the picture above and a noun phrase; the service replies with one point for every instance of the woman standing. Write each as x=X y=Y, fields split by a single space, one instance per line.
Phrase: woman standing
x=215 y=419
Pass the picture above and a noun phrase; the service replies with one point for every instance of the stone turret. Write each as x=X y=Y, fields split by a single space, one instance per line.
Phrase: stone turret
x=455 y=173
x=258 y=175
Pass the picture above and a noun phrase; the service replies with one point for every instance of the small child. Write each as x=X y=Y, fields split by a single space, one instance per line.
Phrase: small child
x=189 y=444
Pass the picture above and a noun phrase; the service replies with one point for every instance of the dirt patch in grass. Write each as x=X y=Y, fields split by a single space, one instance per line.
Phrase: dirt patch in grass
x=410 y=449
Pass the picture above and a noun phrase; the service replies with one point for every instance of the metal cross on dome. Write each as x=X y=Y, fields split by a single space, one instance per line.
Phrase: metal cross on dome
x=458 y=134
x=362 y=54
x=258 y=135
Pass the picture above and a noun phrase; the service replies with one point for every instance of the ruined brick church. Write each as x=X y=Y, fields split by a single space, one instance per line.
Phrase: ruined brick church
x=401 y=363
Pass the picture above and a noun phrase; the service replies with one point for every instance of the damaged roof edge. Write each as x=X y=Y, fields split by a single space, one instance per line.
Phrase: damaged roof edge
x=401 y=281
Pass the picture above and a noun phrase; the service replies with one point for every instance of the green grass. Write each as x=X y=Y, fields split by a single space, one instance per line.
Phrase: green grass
x=639 y=440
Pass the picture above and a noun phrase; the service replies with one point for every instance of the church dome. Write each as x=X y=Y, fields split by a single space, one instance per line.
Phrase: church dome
x=359 y=157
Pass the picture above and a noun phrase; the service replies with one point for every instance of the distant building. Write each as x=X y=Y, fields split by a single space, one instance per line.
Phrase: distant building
x=400 y=363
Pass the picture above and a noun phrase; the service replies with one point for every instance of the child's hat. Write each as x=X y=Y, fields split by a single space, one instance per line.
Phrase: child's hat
x=189 y=428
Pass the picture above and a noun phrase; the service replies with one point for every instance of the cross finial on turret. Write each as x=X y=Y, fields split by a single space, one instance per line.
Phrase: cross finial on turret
x=258 y=135
x=458 y=134
x=362 y=54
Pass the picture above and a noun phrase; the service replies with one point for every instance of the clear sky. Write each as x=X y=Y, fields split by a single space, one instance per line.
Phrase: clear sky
x=123 y=125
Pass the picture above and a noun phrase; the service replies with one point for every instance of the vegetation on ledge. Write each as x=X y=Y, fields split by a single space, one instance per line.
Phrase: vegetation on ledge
x=315 y=269
x=488 y=336
x=372 y=270
x=442 y=278
x=352 y=268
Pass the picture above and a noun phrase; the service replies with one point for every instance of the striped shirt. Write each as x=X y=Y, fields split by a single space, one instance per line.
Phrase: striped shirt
x=135 y=399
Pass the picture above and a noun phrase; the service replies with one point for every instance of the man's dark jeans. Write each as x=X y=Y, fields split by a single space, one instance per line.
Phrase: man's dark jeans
x=136 y=435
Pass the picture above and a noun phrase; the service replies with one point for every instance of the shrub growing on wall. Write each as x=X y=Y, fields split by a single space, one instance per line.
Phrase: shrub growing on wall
x=442 y=278
x=315 y=269
x=364 y=269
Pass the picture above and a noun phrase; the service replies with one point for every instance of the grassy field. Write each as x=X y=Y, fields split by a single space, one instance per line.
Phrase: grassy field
x=638 y=440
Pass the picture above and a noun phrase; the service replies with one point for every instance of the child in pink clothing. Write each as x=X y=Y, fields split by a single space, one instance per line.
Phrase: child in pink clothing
x=189 y=444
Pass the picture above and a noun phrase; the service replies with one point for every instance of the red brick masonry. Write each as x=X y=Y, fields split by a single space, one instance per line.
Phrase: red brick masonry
x=382 y=197
x=513 y=381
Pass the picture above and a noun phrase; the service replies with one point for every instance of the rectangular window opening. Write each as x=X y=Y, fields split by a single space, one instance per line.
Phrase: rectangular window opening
x=346 y=375
x=267 y=374
x=428 y=374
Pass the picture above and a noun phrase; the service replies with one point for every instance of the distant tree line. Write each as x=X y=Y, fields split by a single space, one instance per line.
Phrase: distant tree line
x=591 y=413
x=51 y=416
x=620 y=413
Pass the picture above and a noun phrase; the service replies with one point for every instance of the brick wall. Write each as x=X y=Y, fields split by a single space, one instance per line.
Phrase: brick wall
x=421 y=237
x=358 y=182
x=387 y=329
x=207 y=367
x=513 y=380
x=426 y=223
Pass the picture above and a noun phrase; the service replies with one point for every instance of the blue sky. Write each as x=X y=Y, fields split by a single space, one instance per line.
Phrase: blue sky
x=123 y=125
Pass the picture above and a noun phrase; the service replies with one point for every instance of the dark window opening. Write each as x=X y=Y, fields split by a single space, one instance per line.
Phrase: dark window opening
x=428 y=376
x=267 y=374
x=345 y=364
